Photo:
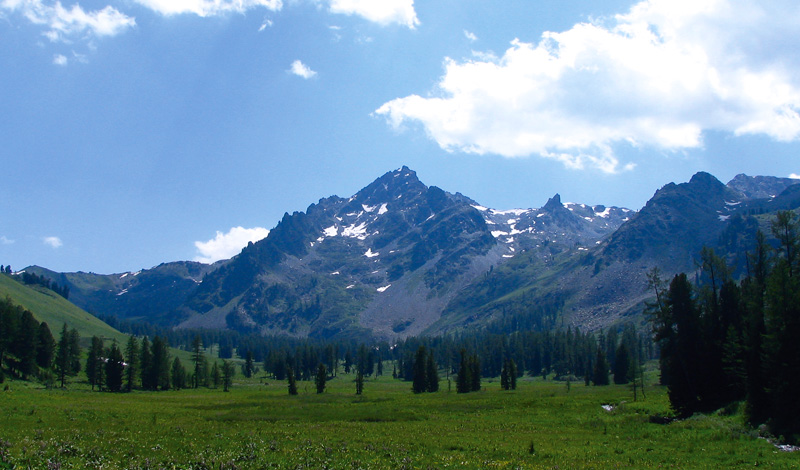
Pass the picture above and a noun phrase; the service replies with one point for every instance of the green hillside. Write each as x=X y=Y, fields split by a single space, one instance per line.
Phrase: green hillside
x=50 y=307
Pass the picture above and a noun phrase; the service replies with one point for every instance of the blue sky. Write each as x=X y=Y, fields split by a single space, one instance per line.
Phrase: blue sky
x=144 y=131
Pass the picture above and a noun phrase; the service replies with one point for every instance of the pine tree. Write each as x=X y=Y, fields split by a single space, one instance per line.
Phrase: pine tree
x=178 y=374
x=249 y=365
x=505 y=382
x=321 y=378
x=293 y=382
x=475 y=374
x=419 y=382
x=359 y=382
x=622 y=364
x=464 y=378
x=95 y=364
x=198 y=360
x=66 y=351
x=46 y=347
x=132 y=370
x=216 y=375
x=114 y=368
x=513 y=373
x=26 y=343
x=146 y=366
x=227 y=375
x=431 y=374
x=600 y=375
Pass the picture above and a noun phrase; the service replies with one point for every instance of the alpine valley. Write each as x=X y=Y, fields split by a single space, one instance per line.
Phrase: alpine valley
x=402 y=259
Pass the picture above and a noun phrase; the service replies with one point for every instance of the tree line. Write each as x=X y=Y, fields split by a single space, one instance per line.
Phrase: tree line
x=724 y=341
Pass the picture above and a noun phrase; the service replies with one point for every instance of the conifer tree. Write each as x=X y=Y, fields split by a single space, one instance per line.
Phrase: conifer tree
x=132 y=370
x=321 y=378
x=359 y=382
x=292 y=381
x=419 y=381
x=431 y=374
x=114 y=368
x=249 y=365
x=600 y=375
x=66 y=352
x=622 y=364
x=95 y=364
x=178 y=374
x=464 y=378
x=216 y=376
x=197 y=359
x=227 y=375
x=146 y=366
x=46 y=347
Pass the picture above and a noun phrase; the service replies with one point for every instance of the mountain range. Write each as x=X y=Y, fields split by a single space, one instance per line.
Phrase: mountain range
x=400 y=258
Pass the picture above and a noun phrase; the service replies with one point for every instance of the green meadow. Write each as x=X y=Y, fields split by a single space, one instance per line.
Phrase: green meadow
x=258 y=425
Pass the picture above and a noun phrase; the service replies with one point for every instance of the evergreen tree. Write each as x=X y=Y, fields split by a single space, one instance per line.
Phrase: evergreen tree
x=160 y=366
x=505 y=381
x=464 y=379
x=321 y=378
x=227 y=375
x=622 y=364
x=513 y=373
x=293 y=383
x=475 y=373
x=359 y=382
x=146 y=365
x=178 y=374
x=46 y=347
x=95 y=364
x=26 y=343
x=431 y=374
x=66 y=351
x=249 y=365
x=600 y=375
x=198 y=359
x=114 y=368
x=132 y=370
x=216 y=375
x=419 y=382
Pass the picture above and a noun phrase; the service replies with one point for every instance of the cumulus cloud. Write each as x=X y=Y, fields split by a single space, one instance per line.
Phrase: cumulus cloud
x=302 y=70
x=227 y=245
x=470 y=35
x=383 y=12
x=60 y=59
x=208 y=7
x=659 y=76
x=53 y=242
x=64 y=23
x=793 y=176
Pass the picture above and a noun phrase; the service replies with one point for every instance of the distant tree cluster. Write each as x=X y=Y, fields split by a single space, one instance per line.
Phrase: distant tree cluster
x=6 y=269
x=723 y=341
x=469 y=373
x=34 y=279
x=426 y=373
x=27 y=347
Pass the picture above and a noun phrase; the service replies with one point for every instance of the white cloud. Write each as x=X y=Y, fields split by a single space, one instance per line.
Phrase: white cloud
x=227 y=245
x=208 y=7
x=53 y=242
x=383 y=12
x=6 y=241
x=266 y=24
x=59 y=59
x=470 y=35
x=793 y=176
x=659 y=75
x=302 y=70
x=64 y=23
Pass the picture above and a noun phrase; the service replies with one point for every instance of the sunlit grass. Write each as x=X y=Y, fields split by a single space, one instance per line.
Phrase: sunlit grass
x=258 y=425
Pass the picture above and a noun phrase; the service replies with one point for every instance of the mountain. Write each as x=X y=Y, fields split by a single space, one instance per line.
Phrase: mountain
x=608 y=283
x=400 y=258
x=53 y=309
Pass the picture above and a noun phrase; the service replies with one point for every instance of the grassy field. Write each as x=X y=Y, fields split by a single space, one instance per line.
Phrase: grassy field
x=258 y=425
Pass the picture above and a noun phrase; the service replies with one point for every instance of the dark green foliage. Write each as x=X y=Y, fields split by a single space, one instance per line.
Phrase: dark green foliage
x=158 y=373
x=249 y=365
x=146 y=366
x=198 y=359
x=359 y=383
x=46 y=347
x=216 y=375
x=600 y=373
x=114 y=368
x=95 y=369
x=132 y=370
x=68 y=351
x=508 y=376
x=726 y=341
x=321 y=378
x=178 y=374
x=293 y=383
x=622 y=365
x=419 y=381
x=227 y=375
